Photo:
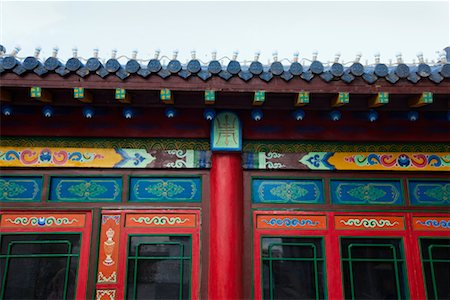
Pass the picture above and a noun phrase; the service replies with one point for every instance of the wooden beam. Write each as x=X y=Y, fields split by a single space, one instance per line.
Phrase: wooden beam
x=40 y=94
x=259 y=98
x=122 y=95
x=5 y=96
x=341 y=99
x=302 y=99
x=166 y=96
x=52 y=80
x=210 y=97
x=82 y=95
x=380 y=99
x=424 y=99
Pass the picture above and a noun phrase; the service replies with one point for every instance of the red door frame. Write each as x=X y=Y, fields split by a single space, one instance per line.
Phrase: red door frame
x=123 y=245
x=334 y=285
x=85 y=231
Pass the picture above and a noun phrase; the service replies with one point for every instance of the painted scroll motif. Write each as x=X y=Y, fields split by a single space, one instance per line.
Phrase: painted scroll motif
x=369 y=222
x=291 y=222
x=168 y=220
x=431 y=223
x=38 y=220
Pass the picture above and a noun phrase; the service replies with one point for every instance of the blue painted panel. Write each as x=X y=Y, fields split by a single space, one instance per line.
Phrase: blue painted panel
x=387 y=192
x=426 y=192
x=86 y=189
x=161 y=189
x=20 y=188
x=287 y=191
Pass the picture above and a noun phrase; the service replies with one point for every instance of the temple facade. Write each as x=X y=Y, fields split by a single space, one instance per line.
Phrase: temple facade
x=153 y=179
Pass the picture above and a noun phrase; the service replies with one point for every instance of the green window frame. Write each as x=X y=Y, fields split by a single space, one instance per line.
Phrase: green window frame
x=435 y=254
x=351 y=246
x=317 y=258
x=70 y=254
x=182 y=258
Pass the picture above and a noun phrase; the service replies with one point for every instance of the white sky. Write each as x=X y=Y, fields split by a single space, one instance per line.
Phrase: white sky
x=329 y=27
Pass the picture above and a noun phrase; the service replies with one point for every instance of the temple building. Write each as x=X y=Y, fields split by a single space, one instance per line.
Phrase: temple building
x=130 y=178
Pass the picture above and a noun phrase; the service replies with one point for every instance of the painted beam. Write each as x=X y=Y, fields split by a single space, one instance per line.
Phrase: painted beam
x=380 y=99
x=341 y=99
x=40 y=94
x=5 y=95
x=47 y=157
x=122 y=96
x=259 y=98
x=210 y=97
x=302 y=99
x=349 y=161
x=424 y=99
x=166 y=96
x=82 y=95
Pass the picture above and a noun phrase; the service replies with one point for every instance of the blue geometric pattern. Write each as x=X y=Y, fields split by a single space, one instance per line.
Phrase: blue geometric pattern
x=287 y=191
x=86 y=189
x=427 y=192
x=161 y=189
x=20 y=188
x=387 y=192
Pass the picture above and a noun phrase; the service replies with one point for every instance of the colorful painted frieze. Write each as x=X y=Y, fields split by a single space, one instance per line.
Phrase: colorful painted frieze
x=391 y=161
x=86 y=189
x=431 y=223
x=387 y=192
x=20 y=188
x=109 y=249
x=158 y=220
x=42 y=220
x=429 y=192
x=273 y=221
x=369 y=222
x=295 y=191
x=159 y=189
x=103 y=158
x=351 y=161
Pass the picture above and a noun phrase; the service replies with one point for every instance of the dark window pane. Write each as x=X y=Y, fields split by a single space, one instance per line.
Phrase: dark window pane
x=159 y=267
x=39 y=266
x=436 y=265
x=293 y=268
x=373 y=268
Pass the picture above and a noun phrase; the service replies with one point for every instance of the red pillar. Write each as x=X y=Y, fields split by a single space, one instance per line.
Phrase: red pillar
x=226 y=227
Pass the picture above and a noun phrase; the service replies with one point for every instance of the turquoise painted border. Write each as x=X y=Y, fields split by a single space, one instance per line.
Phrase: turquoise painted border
x=49 y=189
x=166 y=176
x=400 y=180
x=322 y=179
x=409 y=187
x=39 y=194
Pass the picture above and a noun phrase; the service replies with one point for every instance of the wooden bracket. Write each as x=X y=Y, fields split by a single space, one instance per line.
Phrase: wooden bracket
x=380 y=99
x=424 y=99
x=166 y=96
x=82 y=95
x=259 y=98
x=341 y=99
x=210 y=97
x=40 y=94
x=122 y=96
x=5 y=96
x=302 y=99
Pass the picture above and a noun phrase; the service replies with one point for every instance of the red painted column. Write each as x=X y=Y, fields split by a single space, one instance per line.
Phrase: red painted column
x=226 y=227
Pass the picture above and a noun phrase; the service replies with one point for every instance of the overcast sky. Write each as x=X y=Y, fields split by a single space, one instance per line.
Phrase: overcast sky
x=329 y=27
